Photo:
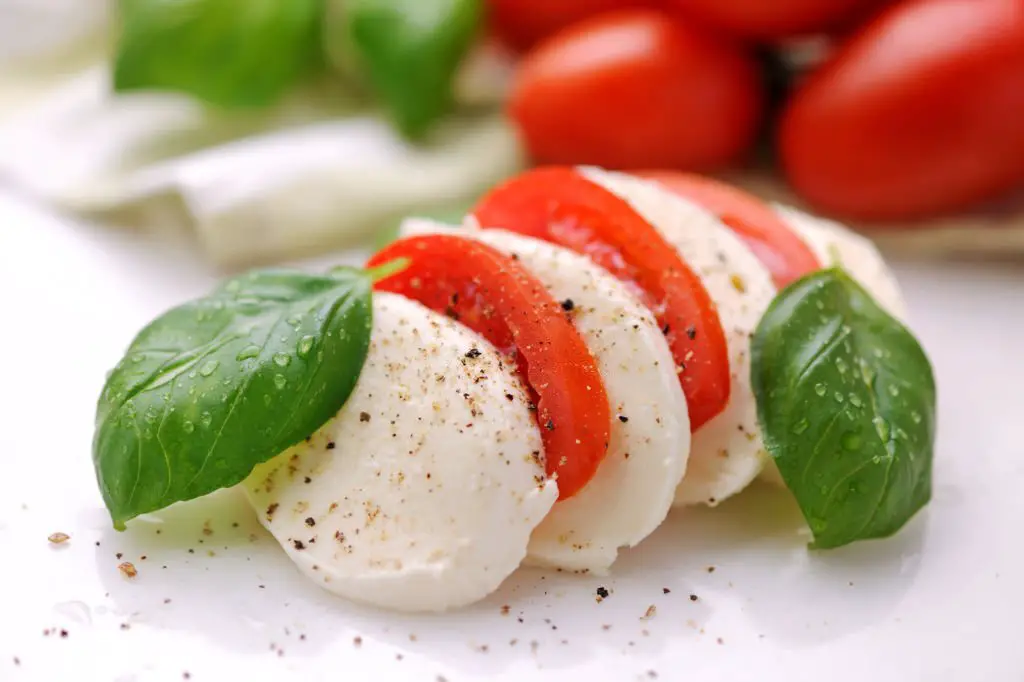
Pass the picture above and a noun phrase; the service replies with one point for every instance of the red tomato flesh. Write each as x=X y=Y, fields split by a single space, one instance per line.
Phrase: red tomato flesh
x=637 y=89
x=522 y=23
x=498 y=298
x=772 y=19
x=778 y=248
x=560 y=206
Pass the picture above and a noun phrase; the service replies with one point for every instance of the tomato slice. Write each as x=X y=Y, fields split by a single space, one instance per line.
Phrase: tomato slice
x=559 y=205
x=778 y=248
x=498 y=298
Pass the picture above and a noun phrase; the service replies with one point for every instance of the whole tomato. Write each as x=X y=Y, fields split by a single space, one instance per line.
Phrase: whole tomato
x=522 y=23
x=921 y=112
x=773 y=19
x=637 y=89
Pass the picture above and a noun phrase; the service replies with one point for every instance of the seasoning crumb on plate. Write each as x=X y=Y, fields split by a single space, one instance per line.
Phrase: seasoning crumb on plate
x=58 y=538
x=650 y=612
x=127 y=569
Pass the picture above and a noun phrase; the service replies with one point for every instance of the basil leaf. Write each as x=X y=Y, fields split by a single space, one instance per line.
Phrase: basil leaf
x=216 y=386
x=846 y=402
x=229 y=53
x=407 y=50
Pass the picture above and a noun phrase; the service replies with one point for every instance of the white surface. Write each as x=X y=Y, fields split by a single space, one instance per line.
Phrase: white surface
x=941 y=601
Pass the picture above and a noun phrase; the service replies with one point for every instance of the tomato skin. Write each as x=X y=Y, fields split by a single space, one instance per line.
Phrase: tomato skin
x=773 y=19
x=920 y=113
x=559 y=205
x=497 y=297
x=636 y=89
x=778 y=248
x=521 y=24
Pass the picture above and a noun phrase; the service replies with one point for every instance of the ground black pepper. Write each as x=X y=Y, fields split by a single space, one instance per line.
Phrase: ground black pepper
x=473 y=353
x=602 y=593
x=568 y=305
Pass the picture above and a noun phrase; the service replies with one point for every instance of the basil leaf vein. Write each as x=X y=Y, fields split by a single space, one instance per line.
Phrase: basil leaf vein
x=218 y=385
x=846 y=402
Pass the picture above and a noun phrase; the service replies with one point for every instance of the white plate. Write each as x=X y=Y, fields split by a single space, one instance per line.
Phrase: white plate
x=940 y=601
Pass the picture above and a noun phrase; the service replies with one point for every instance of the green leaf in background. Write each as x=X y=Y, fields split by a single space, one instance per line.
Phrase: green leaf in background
x=846 y=401
x=218 y=385
x=407 y=50
x=228 y=53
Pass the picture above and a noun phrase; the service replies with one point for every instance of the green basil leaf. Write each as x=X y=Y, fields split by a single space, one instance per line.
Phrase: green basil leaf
x=216 y=386
x=846 y=402
x=407 y=50
x=228 y=53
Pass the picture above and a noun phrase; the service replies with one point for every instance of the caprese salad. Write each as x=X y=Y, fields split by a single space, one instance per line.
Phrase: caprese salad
x=539 y=384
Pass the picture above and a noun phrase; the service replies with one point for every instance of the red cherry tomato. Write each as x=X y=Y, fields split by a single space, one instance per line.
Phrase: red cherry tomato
x=771 y=19
x=920 y=113
x=522 y=23
x=778 y=248
x=497 y=297
x=637 y=89
x=559 y=205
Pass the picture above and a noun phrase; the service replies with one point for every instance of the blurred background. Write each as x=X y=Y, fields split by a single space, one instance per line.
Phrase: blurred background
x=265 y=130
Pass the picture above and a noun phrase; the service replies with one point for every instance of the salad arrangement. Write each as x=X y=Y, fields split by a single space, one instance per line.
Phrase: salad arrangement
x=540 y=384
x=875 y=109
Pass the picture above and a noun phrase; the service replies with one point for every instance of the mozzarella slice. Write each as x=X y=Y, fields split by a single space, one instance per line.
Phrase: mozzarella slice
x=727 y=452
x=423 y=491
x=632 y=491
x=834 y=244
